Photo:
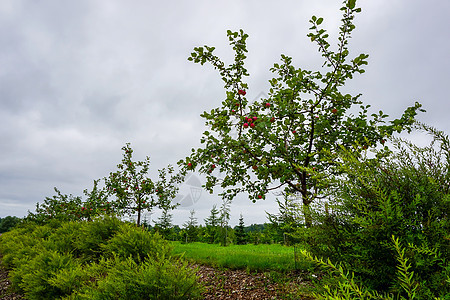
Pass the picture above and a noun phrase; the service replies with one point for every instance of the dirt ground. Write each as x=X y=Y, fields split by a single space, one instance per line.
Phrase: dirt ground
x=4 y=284
x=239 y=284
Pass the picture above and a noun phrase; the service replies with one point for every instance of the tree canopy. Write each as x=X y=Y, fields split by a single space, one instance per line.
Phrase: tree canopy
x=288 y=140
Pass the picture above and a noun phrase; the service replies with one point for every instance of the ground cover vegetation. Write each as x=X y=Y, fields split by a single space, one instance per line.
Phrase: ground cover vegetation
x=263 y=271
x=102 y=259
x=262 y=257
x=369 y=212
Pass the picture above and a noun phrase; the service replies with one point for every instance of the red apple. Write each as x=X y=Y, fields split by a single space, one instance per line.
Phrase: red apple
x=213 y=166
x=245 y=125
x=334 y=111
x=267 y=104
x=252 y=125
x=255 y=167
x=189 y=166
x=294 y=131
x=272 y=119
x=259 y=196
x=242 y=92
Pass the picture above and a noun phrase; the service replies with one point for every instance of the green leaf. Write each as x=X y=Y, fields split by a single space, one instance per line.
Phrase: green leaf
x=351 y=4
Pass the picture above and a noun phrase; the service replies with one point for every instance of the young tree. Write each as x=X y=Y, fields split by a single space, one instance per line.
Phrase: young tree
x=285 y=223
x=239 y=232
x=72 y=208
x=191 y=228
x=164 y=224
x=287 y=141
x=255 y=233
x=97 y=203
x=212 y=225
x=135 y=192
x=60 y=207
x=224 y=219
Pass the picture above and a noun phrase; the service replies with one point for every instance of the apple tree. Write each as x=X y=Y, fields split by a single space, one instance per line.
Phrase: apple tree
x=60 y=207
x=97 y=203
x=135 y=192
x=286 y=141
x=65 y=207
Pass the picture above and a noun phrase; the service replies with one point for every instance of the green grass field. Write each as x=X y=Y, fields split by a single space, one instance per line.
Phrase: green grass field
x=251 y=257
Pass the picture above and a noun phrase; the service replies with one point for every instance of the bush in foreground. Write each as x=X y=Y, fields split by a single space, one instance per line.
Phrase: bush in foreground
x=103 y=259
x=405 y=194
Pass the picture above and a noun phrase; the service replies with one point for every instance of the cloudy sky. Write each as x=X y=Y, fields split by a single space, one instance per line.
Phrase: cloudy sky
x=79 y=79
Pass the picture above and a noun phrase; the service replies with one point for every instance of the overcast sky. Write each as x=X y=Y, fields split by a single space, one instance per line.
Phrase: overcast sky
x=79 y=79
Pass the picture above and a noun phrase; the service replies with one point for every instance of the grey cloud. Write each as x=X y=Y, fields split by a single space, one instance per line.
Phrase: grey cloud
x=79 y=79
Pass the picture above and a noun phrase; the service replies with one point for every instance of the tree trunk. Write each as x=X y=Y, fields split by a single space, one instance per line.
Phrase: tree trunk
x=138 y=222
x=307 y=210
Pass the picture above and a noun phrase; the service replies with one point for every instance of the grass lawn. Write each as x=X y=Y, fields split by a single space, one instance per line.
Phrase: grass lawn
x=251 y=257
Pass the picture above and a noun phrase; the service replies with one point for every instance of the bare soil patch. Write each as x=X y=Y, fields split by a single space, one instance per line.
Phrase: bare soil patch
x=239 y=284
x=5 y=293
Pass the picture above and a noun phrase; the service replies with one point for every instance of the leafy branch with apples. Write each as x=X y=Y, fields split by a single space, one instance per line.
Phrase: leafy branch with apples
x=288 y=141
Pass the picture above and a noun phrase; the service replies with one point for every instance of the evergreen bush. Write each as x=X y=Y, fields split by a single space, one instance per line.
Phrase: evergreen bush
x=402 y=193
x=101 y=259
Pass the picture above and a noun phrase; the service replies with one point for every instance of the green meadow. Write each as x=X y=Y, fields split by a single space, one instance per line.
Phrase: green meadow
x=261 y=257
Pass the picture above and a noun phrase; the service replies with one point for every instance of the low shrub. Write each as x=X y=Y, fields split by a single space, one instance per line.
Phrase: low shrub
x=405 y=194
x=137 y=243
x=33 y=276
x=22 y=243
x=64 y=238
x=102 y=259
x=345 y=287
x=92 y=235
x=152 y=279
